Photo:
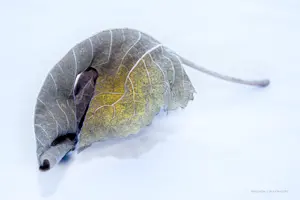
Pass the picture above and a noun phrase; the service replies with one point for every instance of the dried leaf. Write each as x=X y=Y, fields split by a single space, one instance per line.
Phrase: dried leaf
x=126 y=78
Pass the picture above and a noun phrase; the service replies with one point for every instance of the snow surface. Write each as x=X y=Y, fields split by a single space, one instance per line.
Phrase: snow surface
x=230 y=140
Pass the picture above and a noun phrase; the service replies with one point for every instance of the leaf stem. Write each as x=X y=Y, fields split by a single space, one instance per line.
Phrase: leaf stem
x=259 y=83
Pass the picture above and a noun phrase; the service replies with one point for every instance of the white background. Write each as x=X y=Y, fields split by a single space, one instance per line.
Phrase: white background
x=230 y=140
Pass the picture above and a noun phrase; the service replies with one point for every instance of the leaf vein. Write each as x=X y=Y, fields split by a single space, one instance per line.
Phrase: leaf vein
x=68 y=123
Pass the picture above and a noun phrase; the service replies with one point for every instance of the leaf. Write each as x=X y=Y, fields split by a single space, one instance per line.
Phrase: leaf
x=125 y=78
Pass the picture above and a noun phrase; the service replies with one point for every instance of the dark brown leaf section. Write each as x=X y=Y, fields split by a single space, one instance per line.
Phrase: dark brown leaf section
x=84 y=91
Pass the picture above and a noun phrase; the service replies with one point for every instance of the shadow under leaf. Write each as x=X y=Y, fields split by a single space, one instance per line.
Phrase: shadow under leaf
x=131 y=147
x=49 y=181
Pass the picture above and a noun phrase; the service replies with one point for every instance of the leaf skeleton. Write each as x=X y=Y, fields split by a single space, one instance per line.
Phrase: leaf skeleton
x=110 y=85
